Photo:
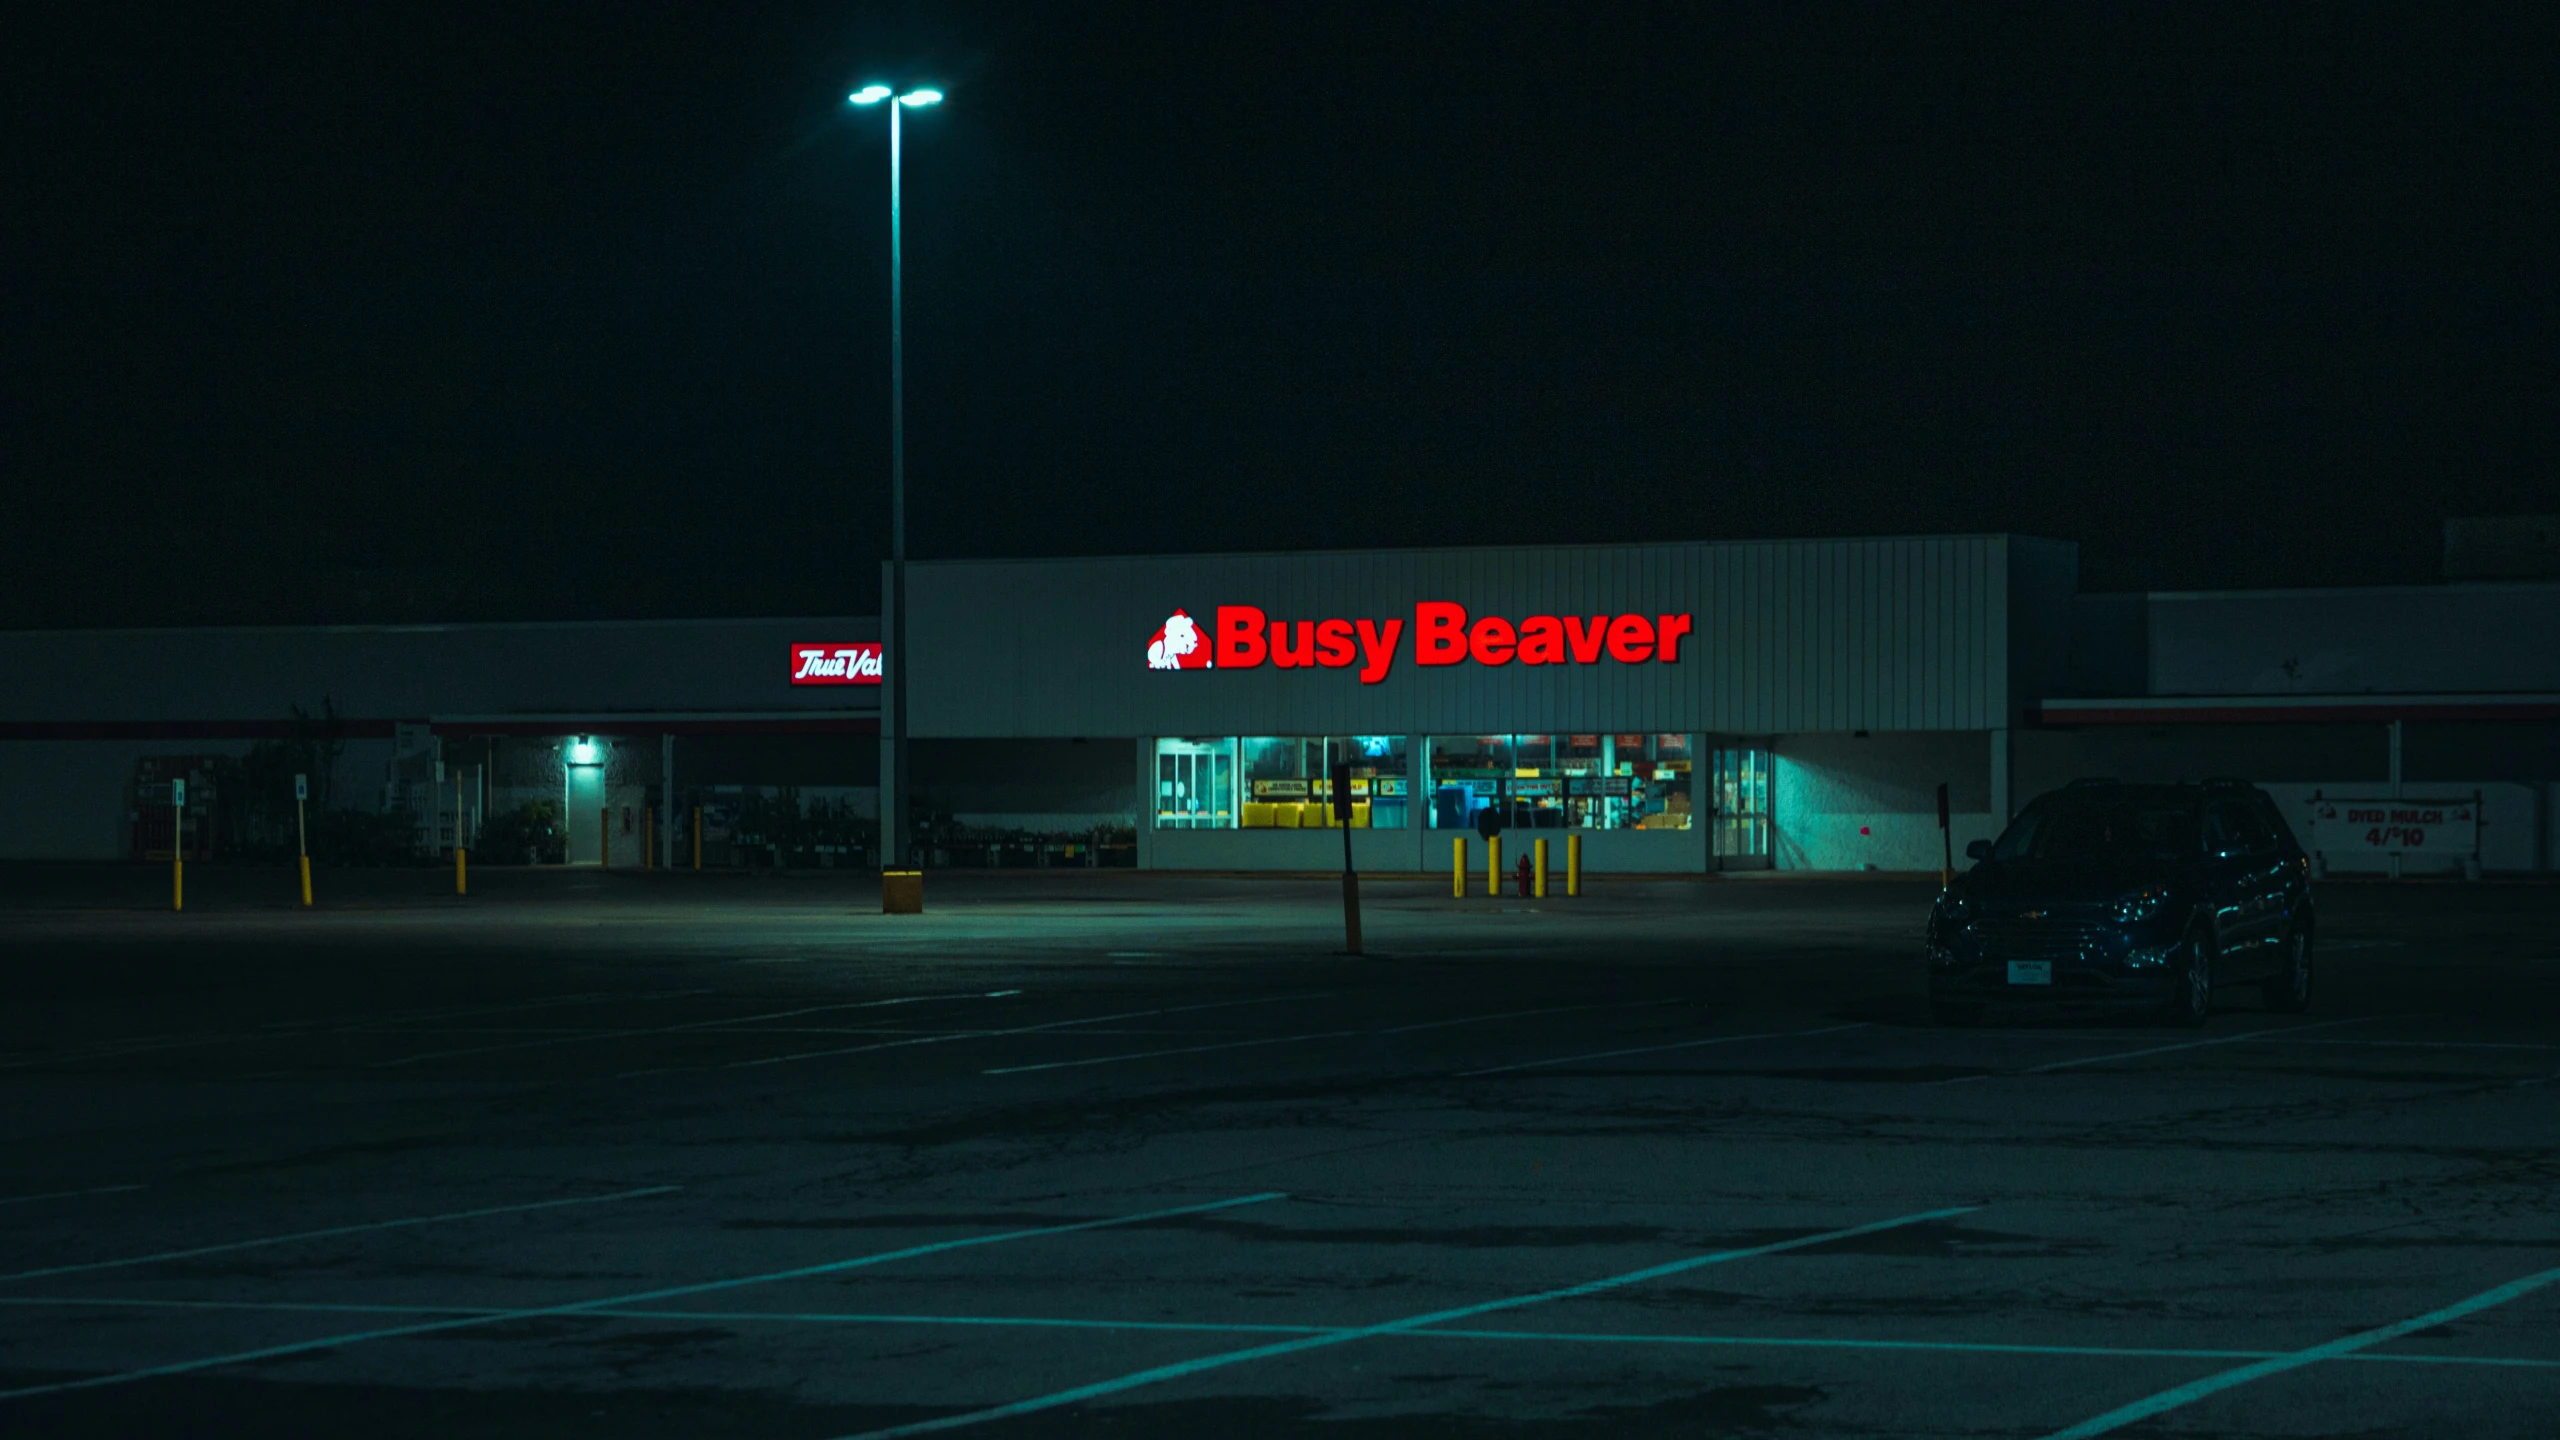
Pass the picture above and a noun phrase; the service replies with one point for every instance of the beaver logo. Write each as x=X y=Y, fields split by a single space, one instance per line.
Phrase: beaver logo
x=1177 y=645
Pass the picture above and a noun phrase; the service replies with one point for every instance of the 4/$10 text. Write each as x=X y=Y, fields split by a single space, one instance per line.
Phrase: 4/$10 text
x=1442 y=635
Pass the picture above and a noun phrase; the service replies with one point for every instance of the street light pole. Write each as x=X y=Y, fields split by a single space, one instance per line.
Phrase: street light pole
x=894 y=846
x=894 y=821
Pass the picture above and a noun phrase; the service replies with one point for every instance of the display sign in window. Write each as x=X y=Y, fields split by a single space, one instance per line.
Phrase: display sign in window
x=1609 y=781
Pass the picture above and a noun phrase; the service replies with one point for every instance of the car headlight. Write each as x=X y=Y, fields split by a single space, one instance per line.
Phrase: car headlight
x=2141 y=905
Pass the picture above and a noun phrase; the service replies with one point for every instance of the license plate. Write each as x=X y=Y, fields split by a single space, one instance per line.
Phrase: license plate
x=2030 y=972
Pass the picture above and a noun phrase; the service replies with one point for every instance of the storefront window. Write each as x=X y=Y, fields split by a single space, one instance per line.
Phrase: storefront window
x=1288 y=784
x=1279 y=782
x=1196 y=784
x=1637 y=781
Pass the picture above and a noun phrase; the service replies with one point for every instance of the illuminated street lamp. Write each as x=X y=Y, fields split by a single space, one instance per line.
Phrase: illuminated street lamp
x=893 y=816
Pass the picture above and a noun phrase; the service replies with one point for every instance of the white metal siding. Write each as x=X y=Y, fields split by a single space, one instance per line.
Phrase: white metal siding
x=1789 y=636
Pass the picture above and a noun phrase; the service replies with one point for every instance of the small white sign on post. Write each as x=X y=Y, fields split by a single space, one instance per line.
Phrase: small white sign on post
x=178 y=793
x=301 y=787
x=2395 y=827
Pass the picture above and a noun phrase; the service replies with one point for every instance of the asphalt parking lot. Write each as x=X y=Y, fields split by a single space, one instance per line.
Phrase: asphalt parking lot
x=1095 y=1153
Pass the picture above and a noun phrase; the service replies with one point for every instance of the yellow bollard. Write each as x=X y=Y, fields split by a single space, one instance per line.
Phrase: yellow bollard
x=306 y=881
x=604 y=832
x=901 y=892
x=178 y=880
x=648 y=839
x=1493 y=867
x=697 y=837
x=1572 y=866
x=461 y=880
x=1458 y=866
x=1542 y=868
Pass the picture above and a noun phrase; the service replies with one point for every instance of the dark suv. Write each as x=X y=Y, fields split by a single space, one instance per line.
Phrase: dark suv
x=2109 y=893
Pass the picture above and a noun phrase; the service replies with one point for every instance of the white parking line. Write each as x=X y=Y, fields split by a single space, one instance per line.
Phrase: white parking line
x=1202 y=1327
x=2157 y=1050
x=583 y=1307
x=2193 y=1045
x=688 y=1025
x=1654 y=1049
x=2195 y=1390
x=398 y=1224
x=1179 y=1370
x=70 y=1194
x=2427 y=1044
x=1312 y=1035
x=116 y=1050
x=1027 y=1029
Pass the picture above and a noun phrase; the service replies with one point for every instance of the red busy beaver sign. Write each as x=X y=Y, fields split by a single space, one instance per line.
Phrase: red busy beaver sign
x=1243 y=637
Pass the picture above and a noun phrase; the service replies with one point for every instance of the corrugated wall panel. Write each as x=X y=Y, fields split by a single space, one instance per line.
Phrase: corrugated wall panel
x=1787 y=636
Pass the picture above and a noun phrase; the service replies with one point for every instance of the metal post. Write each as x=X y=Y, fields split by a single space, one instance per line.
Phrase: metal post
x=895 y=843
x=1573 y=866
x=178 y=845
x=667 y=799
x=697 y=837
x=1542 y=867
x=604 y=838
x=2395 y=787
x=302 y=837
x=1493 y=866
x=2001 y=812
x=1946 y=840
x=1338 y=781
x=1458 y=867
x=461 y=881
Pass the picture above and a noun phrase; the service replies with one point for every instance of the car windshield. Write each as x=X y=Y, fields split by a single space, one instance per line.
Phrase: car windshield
x=2116 y=825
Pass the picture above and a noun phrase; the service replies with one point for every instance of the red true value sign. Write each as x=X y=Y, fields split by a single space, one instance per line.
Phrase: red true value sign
x=855 y=664
x=1244 y=637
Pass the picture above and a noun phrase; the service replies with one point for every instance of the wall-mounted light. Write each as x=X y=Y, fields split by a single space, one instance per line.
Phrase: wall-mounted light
x=585 y=751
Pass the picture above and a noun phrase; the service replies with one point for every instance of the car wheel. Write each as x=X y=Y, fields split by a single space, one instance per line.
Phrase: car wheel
x=1955 y=1015
x=2290 y=991
x=2191 y=1001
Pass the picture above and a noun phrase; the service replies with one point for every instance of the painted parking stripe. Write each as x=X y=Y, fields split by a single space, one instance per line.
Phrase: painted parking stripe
x=115 y=1050
x=2194 y=1044
x=2195 y=1390
x=1029 y=1029
x=1204 y=1327
x=2427 y=1044
x=1655 y=1049
x=2270 y=1032
x=686 y=1026
x=1313 y=1035
x=587 y=1307
x=71 y=1194
x=402 y=1223
x=1182 y=1369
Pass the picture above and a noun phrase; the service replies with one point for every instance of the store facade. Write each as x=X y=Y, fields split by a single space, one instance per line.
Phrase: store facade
x=1682 y=708
x=1641 y=697
x=619 y=732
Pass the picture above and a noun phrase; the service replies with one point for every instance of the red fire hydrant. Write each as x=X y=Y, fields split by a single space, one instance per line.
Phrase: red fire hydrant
x=1522 y=873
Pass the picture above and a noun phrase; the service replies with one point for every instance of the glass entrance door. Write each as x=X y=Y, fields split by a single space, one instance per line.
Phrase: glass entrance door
x=1195 y=784
x=1738 y=787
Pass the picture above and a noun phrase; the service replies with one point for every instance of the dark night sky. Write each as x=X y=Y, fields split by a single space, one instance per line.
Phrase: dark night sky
x=356 y=311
